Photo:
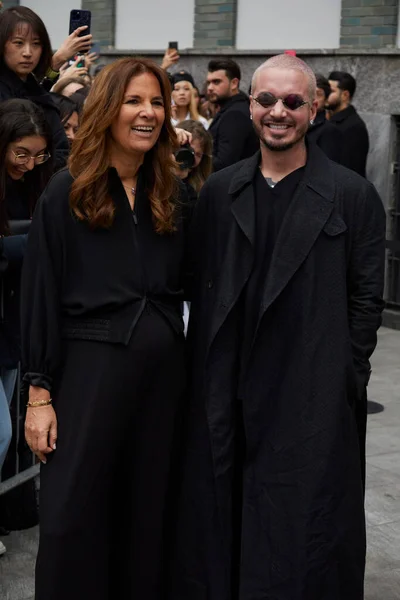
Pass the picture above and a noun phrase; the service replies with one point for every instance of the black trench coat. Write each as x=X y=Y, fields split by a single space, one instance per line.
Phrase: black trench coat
x=302 y=524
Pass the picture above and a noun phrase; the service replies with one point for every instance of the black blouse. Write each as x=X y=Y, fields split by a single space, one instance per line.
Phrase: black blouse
x=90 y=284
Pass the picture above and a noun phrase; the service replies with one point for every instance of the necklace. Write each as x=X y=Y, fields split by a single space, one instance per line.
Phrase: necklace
x=131 y=189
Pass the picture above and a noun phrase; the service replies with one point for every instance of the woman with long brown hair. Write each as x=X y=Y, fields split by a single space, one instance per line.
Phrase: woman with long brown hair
x=103 y=343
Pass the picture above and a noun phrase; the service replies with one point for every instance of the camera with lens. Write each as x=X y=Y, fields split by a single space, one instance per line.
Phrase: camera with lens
x=185 y=157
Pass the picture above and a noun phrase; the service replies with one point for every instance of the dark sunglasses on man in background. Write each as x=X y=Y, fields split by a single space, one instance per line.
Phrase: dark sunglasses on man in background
x=291 y=102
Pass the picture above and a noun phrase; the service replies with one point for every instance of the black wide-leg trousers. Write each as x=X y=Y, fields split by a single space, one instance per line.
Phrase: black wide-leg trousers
x=104 y=492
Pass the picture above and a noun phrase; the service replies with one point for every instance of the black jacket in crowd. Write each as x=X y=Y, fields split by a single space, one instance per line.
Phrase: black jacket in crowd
x=355 y=139
x=11 y=86
x=12 y=250
x=297 y=515
x=327 y=136
x=233 y=135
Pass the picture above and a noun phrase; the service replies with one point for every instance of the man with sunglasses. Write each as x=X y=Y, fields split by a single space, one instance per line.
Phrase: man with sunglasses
x=288 y=263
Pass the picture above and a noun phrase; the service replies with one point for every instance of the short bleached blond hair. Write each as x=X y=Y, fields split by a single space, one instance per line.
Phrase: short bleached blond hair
x=289 y=62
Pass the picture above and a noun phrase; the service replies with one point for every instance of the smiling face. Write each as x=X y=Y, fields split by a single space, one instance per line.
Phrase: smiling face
x=182 y=93
x=138 y=125
x=22 y=51
x=279 y=128
x=32 y=145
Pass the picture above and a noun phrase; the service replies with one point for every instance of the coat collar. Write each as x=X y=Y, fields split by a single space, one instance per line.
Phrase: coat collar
x=317 y=175
x=342 y=115
x=308 y=213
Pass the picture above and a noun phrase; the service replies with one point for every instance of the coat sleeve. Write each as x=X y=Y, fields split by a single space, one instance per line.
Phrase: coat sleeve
x=40 y=298
x=366 y=281
x=13 y=248
x=232 y=132
x=196 y=238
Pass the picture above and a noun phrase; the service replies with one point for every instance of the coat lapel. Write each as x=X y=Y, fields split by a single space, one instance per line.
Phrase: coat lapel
x=238 y=259
x=309 y=211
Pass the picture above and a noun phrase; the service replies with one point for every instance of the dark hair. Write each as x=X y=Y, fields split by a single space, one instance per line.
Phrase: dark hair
x=10 y=19
x=90 y=159
x=97 y=69
x=228 y=65
x=199 y=175
x=19 y=119
x=65 y=105
x=79 y=100
x=346 y=82
x=62 y=83
x=323 y=84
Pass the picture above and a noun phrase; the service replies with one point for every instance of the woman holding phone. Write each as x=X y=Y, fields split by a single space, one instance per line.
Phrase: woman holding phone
x=25 y=58
x=102 y=336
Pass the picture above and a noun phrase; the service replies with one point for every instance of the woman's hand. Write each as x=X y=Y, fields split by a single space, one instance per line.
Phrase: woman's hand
x=171 y=57
x=184 y=137
x=71 y=46
x=90 y=59
x=40 y=425
x=73 y=70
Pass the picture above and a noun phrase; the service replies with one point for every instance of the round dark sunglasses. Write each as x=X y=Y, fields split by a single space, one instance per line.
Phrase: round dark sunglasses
x=292 y=101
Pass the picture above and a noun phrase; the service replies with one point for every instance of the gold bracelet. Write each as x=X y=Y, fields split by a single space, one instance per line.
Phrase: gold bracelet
x=39 y=403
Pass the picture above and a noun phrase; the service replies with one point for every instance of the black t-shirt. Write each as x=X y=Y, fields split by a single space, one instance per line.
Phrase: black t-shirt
x=271 y=204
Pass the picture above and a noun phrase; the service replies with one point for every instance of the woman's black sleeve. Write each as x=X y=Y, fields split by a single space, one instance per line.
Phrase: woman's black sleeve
x=40 y=296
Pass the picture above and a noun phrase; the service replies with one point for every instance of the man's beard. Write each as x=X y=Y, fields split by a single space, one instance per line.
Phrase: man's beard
x=278 y=146
x=334 y=105
x=219 y=99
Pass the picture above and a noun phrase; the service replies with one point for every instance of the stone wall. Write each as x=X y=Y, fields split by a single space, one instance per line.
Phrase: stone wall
x=215 y=23
x=103 y=20
x=369 y=23
x=10 y=3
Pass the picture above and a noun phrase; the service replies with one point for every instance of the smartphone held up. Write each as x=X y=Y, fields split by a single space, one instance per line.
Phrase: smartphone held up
x=79 y=18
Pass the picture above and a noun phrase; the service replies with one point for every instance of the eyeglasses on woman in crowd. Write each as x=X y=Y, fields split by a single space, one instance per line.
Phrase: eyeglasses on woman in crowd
x=21 y=158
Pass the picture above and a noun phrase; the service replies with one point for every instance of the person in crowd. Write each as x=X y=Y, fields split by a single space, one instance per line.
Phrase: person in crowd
x=343 y=114
x=66 y=86
x=25 y=57
x=231 y=128
x=288 y=254
x=102 y=337
x=321 y=132
x=25 y=167
x=184 y=99
x=201 y=145
x=79 y=99
x=76 y=43
x=69 y=114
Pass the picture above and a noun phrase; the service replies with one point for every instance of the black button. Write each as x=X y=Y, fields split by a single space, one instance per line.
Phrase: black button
x=210 y=283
